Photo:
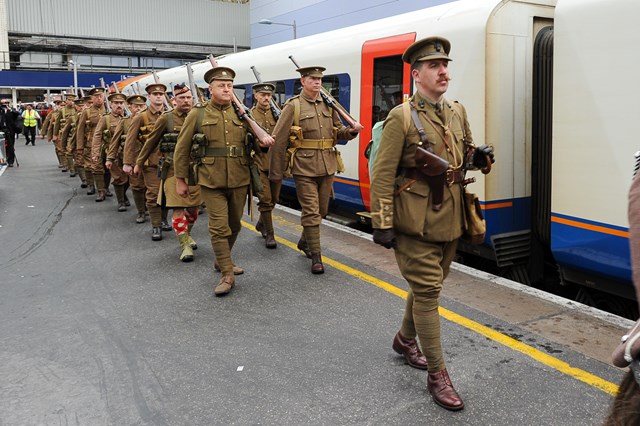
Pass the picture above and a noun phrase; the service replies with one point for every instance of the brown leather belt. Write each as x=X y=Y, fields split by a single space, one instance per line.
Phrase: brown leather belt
x=453 y=176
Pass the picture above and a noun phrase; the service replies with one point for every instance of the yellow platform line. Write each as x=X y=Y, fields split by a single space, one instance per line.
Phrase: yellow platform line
x=541 y=357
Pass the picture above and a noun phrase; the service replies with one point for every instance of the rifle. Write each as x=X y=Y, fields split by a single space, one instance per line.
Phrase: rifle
x=192 y=86
x=244 y=114
x=127 y=112
x=106 y=97
x=167 y=101
x=330 y=101
x=272 y=104
x=138 y=88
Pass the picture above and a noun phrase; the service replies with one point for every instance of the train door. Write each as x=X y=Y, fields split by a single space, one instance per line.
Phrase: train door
x=541 y=133
x=386 y=82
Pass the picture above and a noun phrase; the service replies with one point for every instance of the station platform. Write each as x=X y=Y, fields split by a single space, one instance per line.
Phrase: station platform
x=102 y=326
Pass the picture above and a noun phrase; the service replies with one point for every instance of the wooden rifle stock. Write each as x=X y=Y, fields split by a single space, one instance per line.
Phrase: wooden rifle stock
x=330 y=101
x=106 y=96
x=243 y=112
x=193 y=86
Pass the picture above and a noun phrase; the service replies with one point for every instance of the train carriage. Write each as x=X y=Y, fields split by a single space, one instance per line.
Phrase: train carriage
x=525 y=72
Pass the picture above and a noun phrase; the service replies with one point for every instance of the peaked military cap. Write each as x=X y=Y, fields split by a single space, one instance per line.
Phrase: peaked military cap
x=78 y=102
x=264 y=87
x=87 y=99
x=69 y=96
x=311 y=71
x=57 y=101
x=137 y=99
x=117 y=97
x=427 y=49
x=156 y=87
x=181 y=88
x=96 y=91
x=219 y=73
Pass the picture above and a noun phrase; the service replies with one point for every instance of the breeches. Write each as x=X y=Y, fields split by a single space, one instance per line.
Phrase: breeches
x=270 y=194
x=313 y=196
x=152 y=182
x=224 y=207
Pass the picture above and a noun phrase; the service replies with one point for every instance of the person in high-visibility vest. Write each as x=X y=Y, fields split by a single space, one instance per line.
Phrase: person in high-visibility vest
x=31 y=118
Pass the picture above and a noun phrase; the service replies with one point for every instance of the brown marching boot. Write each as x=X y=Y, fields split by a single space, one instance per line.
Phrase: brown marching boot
x=442 y=391
x=226 y=283
x=236 y=269
x=119 y=190
x=260 y=227
x=409 y=349
x=302 y=246
x=101 y=196
x=316 y=264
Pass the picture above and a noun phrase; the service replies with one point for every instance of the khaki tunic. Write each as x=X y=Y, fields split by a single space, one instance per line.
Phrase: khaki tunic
x=69 y=133
x=115 y=154
x=318 y=121
x=54 y=116
x=87 y=123
x=99 y=142
x=61 y=120
x=141 y=126
x=270 y=190
x=410 y=212
x=223 y=129
x=45 y=125
x=168 y=196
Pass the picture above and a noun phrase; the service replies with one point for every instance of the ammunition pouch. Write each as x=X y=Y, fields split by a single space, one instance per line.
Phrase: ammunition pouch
x=199 y=146
x=434 y=170
x=165 y=165
x=167 y=147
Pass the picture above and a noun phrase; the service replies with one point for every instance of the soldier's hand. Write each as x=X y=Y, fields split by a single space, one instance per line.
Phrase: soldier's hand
x=108 y=164
x=136 y=170
x=55 y=138
x=267 y=141
x=482 y=155
x=127 y=169
x=356 y=128
x=96 y=159
x=385 y=237
x=182 y=188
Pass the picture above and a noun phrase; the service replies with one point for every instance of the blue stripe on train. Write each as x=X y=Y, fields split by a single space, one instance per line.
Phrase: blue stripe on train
x=591 y=250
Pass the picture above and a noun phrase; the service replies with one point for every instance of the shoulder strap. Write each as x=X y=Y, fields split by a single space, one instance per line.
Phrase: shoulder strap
x=418 y=124
x=169 y=127
x=199 y=119
x=296 y=111
x=406 y=114
x=145 y=118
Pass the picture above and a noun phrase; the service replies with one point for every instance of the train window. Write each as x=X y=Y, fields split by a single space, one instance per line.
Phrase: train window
x=387 y=79
x=241 y=93
x=279 y=96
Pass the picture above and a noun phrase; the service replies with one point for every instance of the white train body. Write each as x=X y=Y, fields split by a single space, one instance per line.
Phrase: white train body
x=495 y=58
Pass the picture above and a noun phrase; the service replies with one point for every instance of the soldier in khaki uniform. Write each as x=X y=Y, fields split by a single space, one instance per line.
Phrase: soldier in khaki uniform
x=105 y=129
x=406 y=214
x=68 y=137
x=222 y=170
x=270 y=194
x=315 y=160
x=114 y=163
x=87 y=123
x=139 y=130
x=61 y=118
x=164 y=136
x=54 y=116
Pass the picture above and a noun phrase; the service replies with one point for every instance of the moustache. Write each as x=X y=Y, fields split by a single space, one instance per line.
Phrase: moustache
x=445 y=79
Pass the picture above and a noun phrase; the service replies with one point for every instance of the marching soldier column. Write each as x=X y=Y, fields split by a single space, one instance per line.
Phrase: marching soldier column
x=140 y=128
x=222 y=167
x=86 y=126
x=115 y=150
x=102 y=136
x=163 y=138
x=314 y=128
x=58 y=124
x=270 y=194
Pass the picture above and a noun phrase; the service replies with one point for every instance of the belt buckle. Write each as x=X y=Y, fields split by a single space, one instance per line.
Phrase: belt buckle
x=233 y=151
x=449 y=177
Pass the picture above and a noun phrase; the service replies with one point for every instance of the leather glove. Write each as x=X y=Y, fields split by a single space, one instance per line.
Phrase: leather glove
x=385 y=237
x=480 y=156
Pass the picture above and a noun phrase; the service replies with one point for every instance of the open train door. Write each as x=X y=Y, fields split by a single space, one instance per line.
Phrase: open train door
x=386 y=82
